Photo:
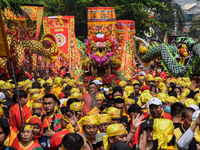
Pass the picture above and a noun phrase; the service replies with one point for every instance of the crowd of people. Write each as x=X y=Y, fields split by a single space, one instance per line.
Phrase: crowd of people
x=148 y=111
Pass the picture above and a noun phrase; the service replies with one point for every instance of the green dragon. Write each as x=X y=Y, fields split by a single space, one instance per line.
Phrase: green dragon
x=167 y=54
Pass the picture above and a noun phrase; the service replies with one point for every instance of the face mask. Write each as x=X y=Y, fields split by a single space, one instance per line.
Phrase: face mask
x=167 y=109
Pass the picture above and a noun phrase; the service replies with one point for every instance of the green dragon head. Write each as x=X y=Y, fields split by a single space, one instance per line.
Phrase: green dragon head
x=187 y=40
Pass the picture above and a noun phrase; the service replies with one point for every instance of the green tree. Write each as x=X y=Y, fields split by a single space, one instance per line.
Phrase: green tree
x=137 y=10
x=14 y=6
x=169 y=16
x=195 y=28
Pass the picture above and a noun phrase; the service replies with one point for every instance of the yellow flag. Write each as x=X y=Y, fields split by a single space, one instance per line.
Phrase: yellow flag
x=4 y=52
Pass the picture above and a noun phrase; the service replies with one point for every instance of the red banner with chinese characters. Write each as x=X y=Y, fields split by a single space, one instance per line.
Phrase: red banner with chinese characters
x=60 y=27
x=63 y=29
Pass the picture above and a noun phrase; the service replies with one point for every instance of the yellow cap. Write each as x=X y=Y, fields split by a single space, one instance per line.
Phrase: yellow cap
x=189 y=102
x=149 y=76
x=1 y=111
x=173 y=80
x=50 y=81
x=141 y=77
x=186 y=79
x=71 y=83
x=36 y=97
x=197 y=96
x=88 y=120
x=58 y=81
x=28 y=127
x=74 y=90
x=129 y=101
x=129 y=89
x=113 y=130
x=182 y=83
x=29 y=85
x=27 y=81
x=76 y=106
x=122 y=83
x=135 y=81
x=162 y=96
x=172 y=99
x=21 y=83
x=159 y=79
x=162 y=87
x=8 y=85
x=151 y=79
x=79 y=83
x=36 y=105
x=34 y=91
x=104 y=118
x=113 y=112
x=64 y=85
x=163 y=131
x=42 y=82
x=2 y=84
x=9 y=80
x=100 y=96
x=99 y=78
x=77 y=95
x=144 y=97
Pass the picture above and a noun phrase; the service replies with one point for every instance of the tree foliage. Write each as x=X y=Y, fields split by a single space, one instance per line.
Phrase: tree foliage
x=195 y=28
x=169 y=16
x=14 y=6
x=137 y=10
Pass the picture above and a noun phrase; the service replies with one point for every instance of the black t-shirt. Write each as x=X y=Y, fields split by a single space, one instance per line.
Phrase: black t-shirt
x=10 y=148
x=177 y=125
x=193 y=144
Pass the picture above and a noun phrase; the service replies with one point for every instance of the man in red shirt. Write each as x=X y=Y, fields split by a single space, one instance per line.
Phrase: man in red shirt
x=156 y=111
x=15 y=118
x=134 y=110
x=51 y=122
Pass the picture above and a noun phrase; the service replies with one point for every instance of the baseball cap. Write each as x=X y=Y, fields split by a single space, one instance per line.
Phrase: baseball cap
x=36 y=85
x=120 y=145
x=97 y=82
x=155 y=101
x=195 y=107
x=195 y=115
x=146 y=124
x=2 y=96
x=47 y=85
x=134 y=108
x=67 y=89
x=99 y=137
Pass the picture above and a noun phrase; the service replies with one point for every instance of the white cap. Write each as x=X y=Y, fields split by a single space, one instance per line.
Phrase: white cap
x=142 y=73
x=195 y=107
x=155 y=101
x=195 y=115
x=2 y=96
x=97 y=82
